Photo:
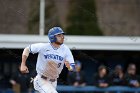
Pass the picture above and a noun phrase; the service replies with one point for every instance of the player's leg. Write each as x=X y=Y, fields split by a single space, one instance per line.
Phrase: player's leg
x=43 y=86
x=54 y=84
x=38 y=85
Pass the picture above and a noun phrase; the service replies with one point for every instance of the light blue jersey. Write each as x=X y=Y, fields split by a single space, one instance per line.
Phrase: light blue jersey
x=46 y=52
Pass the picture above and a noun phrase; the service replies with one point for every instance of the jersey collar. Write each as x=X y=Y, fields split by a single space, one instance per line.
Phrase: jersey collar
x=55 y=47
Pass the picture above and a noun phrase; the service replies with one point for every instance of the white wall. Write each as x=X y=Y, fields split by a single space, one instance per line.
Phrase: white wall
x=74 y=42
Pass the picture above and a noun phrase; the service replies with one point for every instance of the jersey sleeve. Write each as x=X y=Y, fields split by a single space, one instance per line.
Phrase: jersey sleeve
x=35 y=48
x=69 y=57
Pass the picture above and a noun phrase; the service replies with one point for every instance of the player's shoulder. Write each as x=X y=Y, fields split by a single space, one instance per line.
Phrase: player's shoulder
x=41 y=44
x=65 y=46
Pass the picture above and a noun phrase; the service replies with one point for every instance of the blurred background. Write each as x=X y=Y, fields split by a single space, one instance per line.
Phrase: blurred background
x=102 y=34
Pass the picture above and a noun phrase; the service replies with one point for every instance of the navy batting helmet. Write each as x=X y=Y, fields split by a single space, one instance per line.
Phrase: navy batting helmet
x=53 y=32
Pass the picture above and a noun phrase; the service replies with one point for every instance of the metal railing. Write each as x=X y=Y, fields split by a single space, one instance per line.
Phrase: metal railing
x=117 y=89
x=62 y=88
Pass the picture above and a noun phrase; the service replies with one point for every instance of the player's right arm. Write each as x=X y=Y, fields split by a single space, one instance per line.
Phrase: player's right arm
x=23 y=67
x=33 y=48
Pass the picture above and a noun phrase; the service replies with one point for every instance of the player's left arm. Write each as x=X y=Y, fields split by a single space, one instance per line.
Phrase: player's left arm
x=71 y=67
x=69 y=61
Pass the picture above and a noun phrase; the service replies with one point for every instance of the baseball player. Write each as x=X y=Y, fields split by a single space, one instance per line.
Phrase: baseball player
x=51 y=58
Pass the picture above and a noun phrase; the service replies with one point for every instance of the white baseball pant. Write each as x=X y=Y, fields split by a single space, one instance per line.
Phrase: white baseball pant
x=44 y=86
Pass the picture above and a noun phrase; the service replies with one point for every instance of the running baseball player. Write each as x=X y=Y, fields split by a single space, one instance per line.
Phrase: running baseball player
x=51 y=58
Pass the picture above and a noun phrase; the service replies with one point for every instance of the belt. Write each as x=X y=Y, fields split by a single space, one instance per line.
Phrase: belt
x=46 y=78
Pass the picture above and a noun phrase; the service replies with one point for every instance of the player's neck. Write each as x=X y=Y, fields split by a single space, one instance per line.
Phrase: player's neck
x=55 y=45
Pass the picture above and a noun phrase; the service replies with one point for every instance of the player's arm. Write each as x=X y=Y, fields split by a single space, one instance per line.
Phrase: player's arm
x=23 y=67
x=70 y=66
x=33 y=48
x=69 y=62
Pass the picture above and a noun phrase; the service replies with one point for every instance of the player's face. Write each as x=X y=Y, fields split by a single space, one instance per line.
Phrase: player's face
x=60 y=38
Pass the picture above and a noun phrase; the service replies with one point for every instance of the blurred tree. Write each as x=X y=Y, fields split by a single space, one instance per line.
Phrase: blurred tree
x=33 y=23
x=82 y=18
x=51 y=16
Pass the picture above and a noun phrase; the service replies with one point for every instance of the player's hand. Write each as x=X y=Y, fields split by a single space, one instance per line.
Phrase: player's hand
x=68 y=65
x=24 y=69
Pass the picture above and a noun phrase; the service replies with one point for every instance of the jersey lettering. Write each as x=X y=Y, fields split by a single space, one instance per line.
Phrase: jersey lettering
x=52 y=56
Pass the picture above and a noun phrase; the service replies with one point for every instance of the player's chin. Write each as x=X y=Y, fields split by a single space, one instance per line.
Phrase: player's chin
x=60 y=43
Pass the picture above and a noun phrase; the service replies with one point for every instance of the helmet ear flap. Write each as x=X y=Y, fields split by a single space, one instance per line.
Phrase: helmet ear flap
x=52 y=38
